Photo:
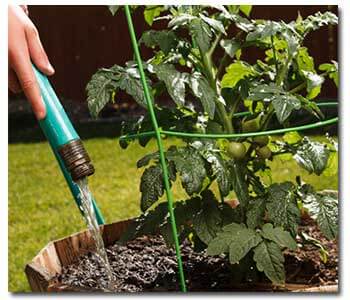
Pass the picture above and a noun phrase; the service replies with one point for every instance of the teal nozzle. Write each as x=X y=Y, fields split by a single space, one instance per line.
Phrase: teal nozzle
x=66 y=145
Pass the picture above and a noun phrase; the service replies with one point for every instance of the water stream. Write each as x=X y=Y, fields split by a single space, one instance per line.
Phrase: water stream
x=91 y=221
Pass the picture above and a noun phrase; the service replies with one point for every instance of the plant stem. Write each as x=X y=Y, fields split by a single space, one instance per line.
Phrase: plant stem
x=213 y=46
x=274 y=54
x=298 y=88
x=222 y=66
x=209 y=71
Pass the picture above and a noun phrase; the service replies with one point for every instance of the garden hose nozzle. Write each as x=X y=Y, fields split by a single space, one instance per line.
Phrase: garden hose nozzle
x=69 y=151
x=76 y=159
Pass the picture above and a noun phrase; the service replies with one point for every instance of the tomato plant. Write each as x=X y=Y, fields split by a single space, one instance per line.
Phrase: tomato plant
x=198 y=63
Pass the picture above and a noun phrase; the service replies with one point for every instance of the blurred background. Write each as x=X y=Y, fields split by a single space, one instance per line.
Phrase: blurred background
x=78 y=41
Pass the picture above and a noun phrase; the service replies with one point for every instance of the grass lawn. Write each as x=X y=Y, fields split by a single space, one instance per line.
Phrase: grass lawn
x=41 y=208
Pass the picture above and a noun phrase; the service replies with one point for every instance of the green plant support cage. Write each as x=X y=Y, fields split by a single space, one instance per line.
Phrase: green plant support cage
x=158 y=132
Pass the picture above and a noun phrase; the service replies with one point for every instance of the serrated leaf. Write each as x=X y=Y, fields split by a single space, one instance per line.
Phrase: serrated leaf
x=230 y=46
x=235 y=72
x=184 y=212
x=265 y=92
x=201 y=33
x=220 y=170
x=318 y=20
x=207 y=221
x=235 y=239
x=174 y=81
x=246 y=9
x=269 y=259
x=279 y=236
x=202 y=90
x=332 y=71
x=256 y=212
x=263 y=31
x=151 y=12
x=146 y=224
x=282 y=206
x=166 y=40
x=312 y=156
x=332 y=165
x=239 y=182
x=114 y=8
x=144 y=161
x=191 y=166
x=151 y=186
x=292 y=137
x=304 y=61
x=101 y=87
x=215 y=24
x=284 y=105
x=181 y=20
x=324 y=209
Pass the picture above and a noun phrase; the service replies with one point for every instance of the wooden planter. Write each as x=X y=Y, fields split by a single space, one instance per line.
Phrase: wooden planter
x=57 y=254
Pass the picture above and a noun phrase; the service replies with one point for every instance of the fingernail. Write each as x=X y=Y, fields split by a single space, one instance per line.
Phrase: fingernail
x=41 y=112
x=50 y=69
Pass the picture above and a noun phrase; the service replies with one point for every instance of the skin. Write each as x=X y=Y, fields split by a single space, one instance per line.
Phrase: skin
x=24 y=47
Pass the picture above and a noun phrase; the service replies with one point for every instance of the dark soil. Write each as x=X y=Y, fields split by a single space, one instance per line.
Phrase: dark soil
x=147 y=264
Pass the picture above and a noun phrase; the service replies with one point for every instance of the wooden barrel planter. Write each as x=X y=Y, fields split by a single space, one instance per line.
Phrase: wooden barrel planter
x=42 y=270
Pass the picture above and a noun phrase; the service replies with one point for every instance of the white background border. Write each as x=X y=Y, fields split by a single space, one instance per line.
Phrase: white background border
x=344 y=63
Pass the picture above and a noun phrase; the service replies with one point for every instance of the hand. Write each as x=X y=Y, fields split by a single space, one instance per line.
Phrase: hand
x=24 y=46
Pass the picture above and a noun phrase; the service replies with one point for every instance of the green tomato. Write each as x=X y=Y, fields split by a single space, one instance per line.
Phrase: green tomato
x=250 y=126
x=262 y=140
x=236 y=150
x=264 y=152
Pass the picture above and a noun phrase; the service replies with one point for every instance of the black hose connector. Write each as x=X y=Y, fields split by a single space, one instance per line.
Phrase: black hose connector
x=76 y=159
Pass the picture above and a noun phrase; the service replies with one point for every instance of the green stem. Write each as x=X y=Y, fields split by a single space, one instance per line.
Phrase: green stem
x=274 y=54
x=298 y=88
x=213 y=47
x=209 y=71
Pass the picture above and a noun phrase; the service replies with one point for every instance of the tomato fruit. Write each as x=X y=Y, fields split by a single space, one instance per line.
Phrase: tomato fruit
x=250 y=126
x=236 y=150
x=262 y=140
x=264 y=152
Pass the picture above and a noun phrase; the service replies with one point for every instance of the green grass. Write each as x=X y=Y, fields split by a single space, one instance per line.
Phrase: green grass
x=41 y=208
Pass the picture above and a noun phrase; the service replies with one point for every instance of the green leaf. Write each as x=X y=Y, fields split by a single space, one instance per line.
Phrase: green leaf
x=282 y=207
x=292 y=137
x=235 y=72
x=256 y=212
x=151 y=12
x=279 y=236
x=304 y=61
x=246 y=9
x=202 y=90
x=174 y=81
x=166 y=40
x=314 y=83
x=235 y=239
x=263 y=31
x=230 y=46
x=269 y=259
x=185 y=212
x=324 y=209
x=151 y=186
x=144 y=161
x=114 y=8
x=220 y=170
x=180 y=20
x=239 y=182
x=207 y=221
x=318 y=20
x=265 y=92
x=101 y=88
x=146 y=224
x=215 y=24
x=191 y=166
x=284 y=105
x=312 y=156
x=332 y=71
x=201 y=33
x=332 y=165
